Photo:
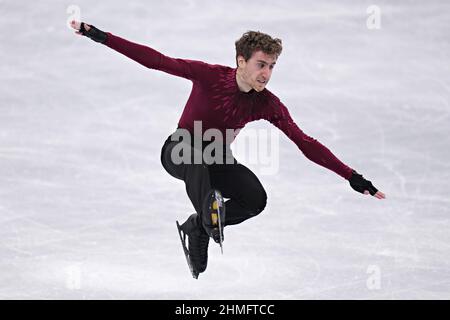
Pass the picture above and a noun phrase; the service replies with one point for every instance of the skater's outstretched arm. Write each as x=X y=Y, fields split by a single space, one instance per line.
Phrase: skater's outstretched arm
x=146 y=56
x=318 y=153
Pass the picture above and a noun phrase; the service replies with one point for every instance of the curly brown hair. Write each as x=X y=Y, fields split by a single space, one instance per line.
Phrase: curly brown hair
x=252 y=41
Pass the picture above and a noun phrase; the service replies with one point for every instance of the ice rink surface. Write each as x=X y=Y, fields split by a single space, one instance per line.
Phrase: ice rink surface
x=88 y=212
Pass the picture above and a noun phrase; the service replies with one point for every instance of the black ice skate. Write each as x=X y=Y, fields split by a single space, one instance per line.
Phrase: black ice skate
x=214 y=218
x=197 y=251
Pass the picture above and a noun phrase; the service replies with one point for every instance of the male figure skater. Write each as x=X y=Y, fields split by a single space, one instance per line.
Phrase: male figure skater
x=223 y=98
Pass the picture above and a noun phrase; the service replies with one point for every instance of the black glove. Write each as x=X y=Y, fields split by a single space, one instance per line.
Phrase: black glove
x=94 y=33
x=358 y=183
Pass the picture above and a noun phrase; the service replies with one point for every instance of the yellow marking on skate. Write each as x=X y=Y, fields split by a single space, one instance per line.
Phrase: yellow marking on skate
x=214 y=218
x=215 y=205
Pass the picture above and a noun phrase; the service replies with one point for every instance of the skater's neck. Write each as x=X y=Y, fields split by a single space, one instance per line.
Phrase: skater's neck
x=242 y=84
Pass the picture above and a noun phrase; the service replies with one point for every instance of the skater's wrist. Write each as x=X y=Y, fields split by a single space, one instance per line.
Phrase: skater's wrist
x=93 y=33
x=348 y=174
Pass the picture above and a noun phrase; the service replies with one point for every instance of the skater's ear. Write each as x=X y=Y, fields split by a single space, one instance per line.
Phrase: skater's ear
x=241 y=61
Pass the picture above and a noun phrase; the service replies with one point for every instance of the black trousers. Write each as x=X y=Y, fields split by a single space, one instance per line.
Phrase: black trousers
x=247 y=197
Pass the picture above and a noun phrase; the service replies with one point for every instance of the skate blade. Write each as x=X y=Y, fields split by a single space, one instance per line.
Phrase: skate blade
x=218 y=205
x=185 y=250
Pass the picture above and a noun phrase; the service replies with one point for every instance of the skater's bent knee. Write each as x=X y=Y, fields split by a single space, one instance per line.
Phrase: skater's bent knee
x=263 y=203
x=259 y=203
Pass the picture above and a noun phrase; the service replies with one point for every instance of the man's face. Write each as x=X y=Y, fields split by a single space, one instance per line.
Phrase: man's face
x=257 y=70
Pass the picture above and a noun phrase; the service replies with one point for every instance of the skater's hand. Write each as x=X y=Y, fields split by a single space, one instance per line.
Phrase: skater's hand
x=358 y=183
x=77 y=25
x=378 y=195
x=90 y=31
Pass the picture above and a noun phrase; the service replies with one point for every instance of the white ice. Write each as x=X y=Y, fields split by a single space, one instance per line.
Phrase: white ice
x=88 y=212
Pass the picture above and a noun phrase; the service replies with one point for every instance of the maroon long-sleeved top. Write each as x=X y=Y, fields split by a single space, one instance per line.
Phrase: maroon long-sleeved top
x=216 y=100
